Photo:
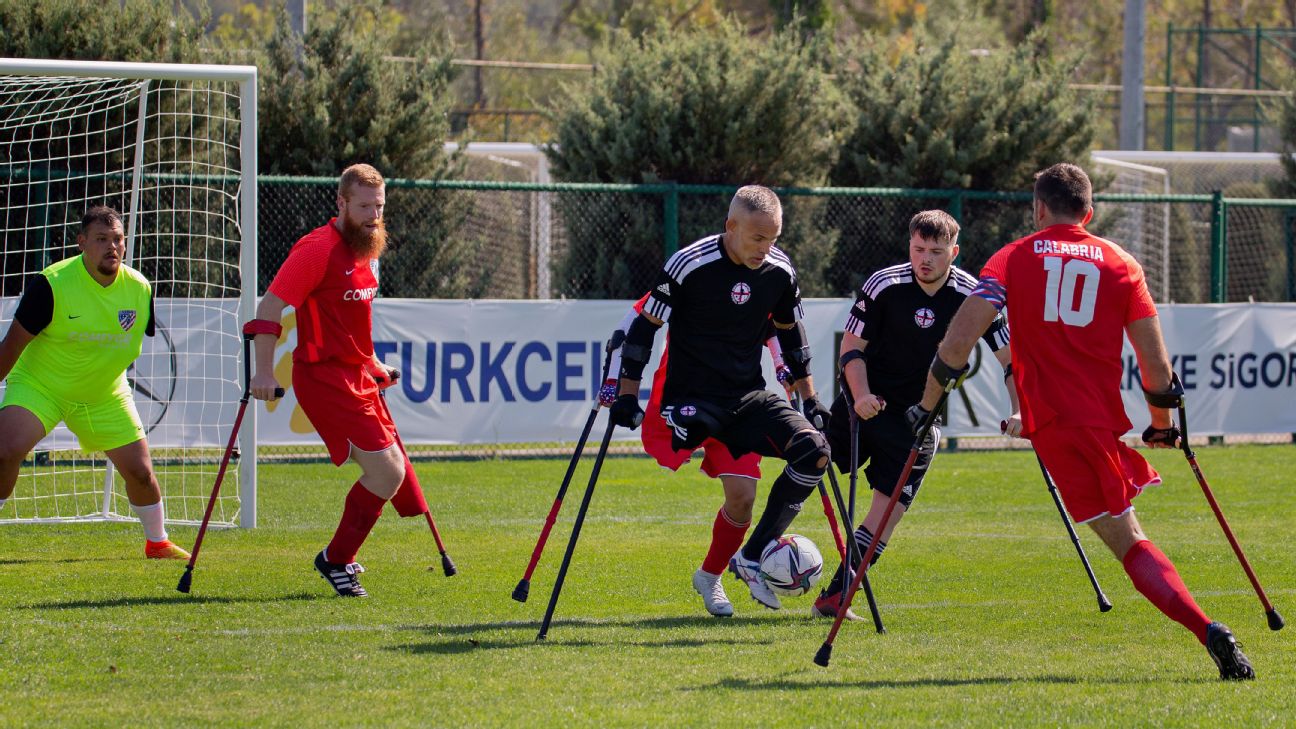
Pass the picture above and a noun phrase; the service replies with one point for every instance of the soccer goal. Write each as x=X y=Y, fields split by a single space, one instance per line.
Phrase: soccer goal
x=1142 y=228
x=173 y=148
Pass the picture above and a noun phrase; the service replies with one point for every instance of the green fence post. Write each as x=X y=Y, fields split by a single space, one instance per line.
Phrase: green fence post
x=1255 y=129
x=1170 y=95
x=670 y=224
x=1290 y=234
x=1219 y=246
x=1197 y=124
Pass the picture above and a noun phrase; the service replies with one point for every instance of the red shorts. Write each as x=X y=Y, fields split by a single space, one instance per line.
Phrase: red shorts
x=341 y=401
x=716 y=462
x=1094 y=471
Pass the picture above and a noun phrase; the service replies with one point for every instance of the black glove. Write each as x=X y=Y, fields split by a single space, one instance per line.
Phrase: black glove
x=1162 y=436
x=816 y=413
x=626 y=412
x=916 y=415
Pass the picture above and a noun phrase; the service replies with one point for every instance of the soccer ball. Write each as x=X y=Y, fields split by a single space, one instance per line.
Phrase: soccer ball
x=791 y=565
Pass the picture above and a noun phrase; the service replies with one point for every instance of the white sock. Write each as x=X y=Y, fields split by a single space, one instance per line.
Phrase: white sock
x=151 y=517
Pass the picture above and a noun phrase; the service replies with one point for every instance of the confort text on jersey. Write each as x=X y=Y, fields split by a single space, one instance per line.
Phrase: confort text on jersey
x=1081 y=250
x=359 y=294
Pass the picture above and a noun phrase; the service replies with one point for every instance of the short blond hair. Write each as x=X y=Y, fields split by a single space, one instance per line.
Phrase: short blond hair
x=755 y=198
x=359 y=174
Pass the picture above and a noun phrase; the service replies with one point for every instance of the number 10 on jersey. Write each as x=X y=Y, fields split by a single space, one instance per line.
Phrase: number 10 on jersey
x=1060 y=291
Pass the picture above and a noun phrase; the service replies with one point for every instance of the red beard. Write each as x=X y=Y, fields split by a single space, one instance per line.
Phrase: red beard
x=363 y=243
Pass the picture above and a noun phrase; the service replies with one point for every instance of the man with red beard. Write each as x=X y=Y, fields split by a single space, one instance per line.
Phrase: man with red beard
x=328 y=280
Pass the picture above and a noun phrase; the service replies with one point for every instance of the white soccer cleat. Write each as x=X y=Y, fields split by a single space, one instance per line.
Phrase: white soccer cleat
x=713 y=595
x=749 y=571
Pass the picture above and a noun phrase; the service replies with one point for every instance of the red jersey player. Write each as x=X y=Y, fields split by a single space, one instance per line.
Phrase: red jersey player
x=1070 y=296
x=327 y=278
x=737 y=475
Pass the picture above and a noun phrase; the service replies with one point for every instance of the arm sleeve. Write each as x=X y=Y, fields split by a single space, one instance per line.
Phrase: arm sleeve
x=1140 y=305
x=36 y=308
x=997 y=334
x=862 y=319
x=993 y=284
x=661 y=298
x=614 y=364
x=150 y=329
x=300 y=273
x=788 y=308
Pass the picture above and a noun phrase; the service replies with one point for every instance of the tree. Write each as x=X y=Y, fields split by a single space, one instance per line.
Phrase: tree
x=76 y=30
x=950 y=115
x=689 y=107
x=332 y=99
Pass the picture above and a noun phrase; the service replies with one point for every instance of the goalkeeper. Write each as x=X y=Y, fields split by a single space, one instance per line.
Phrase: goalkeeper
x=78 y=326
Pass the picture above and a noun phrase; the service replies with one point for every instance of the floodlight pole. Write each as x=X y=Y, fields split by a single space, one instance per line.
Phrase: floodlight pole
x=1132 y=122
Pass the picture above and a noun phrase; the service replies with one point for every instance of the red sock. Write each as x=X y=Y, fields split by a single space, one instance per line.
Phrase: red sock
x=726 y=537
x=358 y=518
x=1155 y=576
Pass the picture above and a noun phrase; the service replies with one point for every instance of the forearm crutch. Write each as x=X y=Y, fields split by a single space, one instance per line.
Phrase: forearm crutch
x=249 y=334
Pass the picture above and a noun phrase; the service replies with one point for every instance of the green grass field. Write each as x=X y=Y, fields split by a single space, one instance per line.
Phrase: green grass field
x=991 y=620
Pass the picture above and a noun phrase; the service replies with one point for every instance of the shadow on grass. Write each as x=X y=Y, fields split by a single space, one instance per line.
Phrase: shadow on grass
x=459 y=637
x=63 y=560
x=743 y=684
x=177 y=599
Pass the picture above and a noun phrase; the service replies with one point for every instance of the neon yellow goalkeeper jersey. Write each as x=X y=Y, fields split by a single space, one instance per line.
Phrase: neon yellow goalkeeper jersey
x=94 y=334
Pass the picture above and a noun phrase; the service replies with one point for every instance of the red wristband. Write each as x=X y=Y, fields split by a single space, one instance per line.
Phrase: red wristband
x=263 y=326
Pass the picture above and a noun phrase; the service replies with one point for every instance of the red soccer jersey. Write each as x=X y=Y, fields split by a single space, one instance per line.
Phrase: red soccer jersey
x=1069 y=296
x=333 y=292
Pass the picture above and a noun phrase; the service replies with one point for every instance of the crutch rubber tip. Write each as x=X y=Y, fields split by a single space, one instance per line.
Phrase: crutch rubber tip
x=540 y=637
x=448 y=566
x=1104 y=604
x=522 y=591
x=187 y=579
x=1275 y=620
x=824 y=655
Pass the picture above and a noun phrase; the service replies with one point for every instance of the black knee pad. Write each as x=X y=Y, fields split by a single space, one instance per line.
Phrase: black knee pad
x=808 y=453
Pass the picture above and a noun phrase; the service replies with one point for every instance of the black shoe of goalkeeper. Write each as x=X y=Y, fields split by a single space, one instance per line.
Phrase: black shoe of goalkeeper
x=343 y=577
x=1228 y=655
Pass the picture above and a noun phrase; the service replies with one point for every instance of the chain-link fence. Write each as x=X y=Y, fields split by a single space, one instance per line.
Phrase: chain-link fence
x=501 y=240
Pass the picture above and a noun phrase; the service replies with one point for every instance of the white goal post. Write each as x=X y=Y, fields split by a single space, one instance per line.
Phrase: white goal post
x=173 y=148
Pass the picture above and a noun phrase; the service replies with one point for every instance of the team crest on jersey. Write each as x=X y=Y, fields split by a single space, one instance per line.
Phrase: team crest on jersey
x=688 y=411
x=924 y=317
x=740 y=293
x=126 y=317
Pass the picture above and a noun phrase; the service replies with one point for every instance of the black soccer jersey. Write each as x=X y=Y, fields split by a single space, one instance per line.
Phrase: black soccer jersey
x=903 y=327
x=718 y=312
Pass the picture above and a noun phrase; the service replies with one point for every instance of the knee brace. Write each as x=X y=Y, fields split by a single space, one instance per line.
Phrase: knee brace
x=807 y=457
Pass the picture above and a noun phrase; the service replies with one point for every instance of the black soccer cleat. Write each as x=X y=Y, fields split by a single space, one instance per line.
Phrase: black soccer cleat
x=1227 y=654
x=343 y=577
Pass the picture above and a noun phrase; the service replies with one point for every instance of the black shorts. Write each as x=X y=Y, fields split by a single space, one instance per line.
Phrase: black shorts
x=759 y=422
x=884 y=443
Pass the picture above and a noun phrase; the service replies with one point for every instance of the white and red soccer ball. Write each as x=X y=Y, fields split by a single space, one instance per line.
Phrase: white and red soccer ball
x=791 y=565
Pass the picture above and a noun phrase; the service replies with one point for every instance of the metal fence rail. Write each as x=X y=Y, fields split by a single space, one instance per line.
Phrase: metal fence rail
x=519 y=240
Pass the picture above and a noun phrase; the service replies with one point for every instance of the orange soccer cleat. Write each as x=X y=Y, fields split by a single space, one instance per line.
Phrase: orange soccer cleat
x=164 y=549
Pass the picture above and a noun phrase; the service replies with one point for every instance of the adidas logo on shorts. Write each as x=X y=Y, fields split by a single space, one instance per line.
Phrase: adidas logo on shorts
x=664 y=288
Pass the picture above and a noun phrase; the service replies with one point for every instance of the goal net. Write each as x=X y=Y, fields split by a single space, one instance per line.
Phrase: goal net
x=1142 y=228
x=173 y=148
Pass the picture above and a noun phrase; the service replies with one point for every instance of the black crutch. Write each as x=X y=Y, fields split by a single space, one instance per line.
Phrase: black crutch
x=576 y=527
x=523 y=588
x=848 y=567
x=1103 y=603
